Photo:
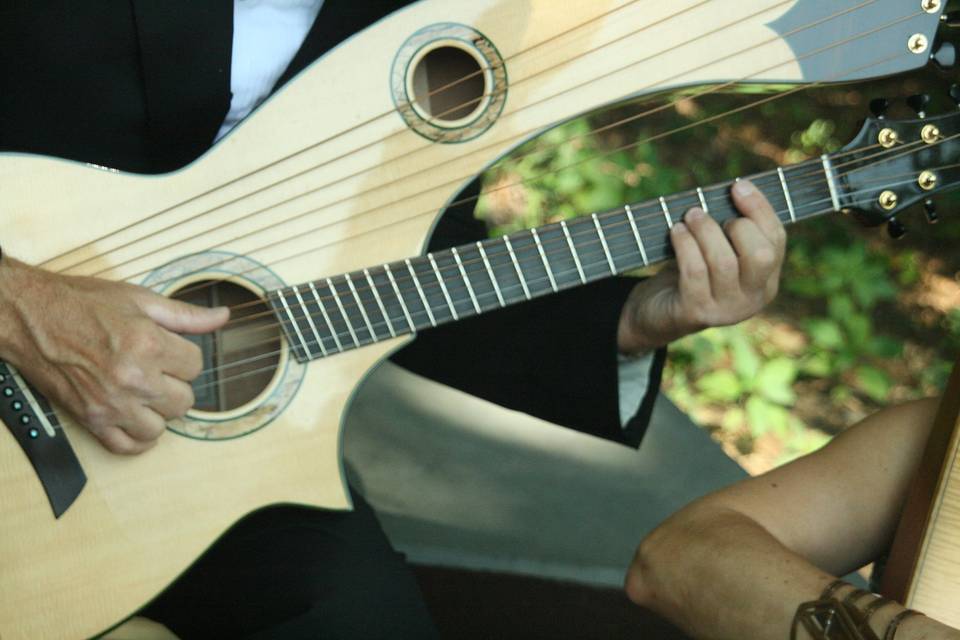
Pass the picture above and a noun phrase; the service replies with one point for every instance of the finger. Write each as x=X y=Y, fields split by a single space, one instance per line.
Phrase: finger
x=118 y=441
x=181 y=317
x=752 y=204
x=143 y=424
x=174 y=398
x=720 y=258
x=758 y=262
x=694 y=282
x=181 y=358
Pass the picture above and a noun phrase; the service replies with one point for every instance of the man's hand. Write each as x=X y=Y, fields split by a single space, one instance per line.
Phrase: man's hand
x=104 y=351
x=721 y=275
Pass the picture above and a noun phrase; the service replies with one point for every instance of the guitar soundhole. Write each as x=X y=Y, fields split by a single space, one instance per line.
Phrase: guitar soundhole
x=449 y=85
x=241 y=359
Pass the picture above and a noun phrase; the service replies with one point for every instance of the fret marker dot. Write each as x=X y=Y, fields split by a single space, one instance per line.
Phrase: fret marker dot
x=7 y=391
x=16 y=405
x=34 y=433
x=24 y=419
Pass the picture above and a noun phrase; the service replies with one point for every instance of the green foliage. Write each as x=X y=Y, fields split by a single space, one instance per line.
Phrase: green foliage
x=842 y=287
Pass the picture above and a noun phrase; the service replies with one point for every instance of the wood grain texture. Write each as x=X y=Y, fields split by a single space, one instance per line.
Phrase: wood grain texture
x=365 y=191
x=924 y=567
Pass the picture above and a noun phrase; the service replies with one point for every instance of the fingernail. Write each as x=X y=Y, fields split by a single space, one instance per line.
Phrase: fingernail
x=743 y=187
x=679 y=227
x=694 y=214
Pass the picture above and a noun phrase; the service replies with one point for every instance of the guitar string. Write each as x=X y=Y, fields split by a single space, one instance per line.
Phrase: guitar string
x=351 y=129
x=382 y=186
x=421 y=314
x=523 y=253
x=212 y=282
x=451 y=183
x=602 y=260
x=459 y=289
x=521 y=108
x=389 y=113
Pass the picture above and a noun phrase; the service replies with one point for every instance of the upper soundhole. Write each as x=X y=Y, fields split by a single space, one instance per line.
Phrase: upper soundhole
x=449 y=83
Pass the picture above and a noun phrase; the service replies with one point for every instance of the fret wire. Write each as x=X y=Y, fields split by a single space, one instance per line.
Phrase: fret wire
x=423 y=298
x=703 y=200
x=383 y=309
x=543 y=258
x=636 y=235
x=466 y=280
x=603 y=242
x=403 y=305
x=296 y=327
x=493 y=276
x=323 y=311
x=516 y=265
x=443 y=286
x=343 y=311
x=828 y=170
x=573 y=251
x=363 y=310
x=666 y=212
x=313 y=327
x=786 y=194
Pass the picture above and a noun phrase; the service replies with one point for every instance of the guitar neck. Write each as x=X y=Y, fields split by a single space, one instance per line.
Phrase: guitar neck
x=351 y=310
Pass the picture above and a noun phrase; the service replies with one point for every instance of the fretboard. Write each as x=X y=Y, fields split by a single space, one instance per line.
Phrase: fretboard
x=347 y=311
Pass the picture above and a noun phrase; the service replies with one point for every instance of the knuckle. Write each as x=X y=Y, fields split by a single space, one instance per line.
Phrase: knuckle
x=764 y=258
x=128 y=375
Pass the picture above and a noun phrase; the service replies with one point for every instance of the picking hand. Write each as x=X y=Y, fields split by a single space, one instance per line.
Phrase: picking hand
x=721 y=275
x=104 y=351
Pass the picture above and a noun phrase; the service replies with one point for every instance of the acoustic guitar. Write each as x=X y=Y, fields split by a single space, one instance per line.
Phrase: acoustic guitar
x=311 y=218
x=923 y=571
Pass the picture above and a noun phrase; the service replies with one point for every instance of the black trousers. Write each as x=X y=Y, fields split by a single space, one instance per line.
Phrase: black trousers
x=290 y=572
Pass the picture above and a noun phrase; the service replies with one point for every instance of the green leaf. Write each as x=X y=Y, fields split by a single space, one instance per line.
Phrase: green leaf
x=874 y=382
x=764 y=417
x=817 y=365
x=722 y=386
x=859 y=328
x=825 y=334
x=775 y=381
x=840 y=307
x=884 y=347
x=746 y=362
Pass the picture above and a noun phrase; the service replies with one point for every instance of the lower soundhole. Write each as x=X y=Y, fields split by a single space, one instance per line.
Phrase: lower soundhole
x=240 y=361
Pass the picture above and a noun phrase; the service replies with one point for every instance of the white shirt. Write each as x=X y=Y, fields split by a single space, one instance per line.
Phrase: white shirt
x=266 y=36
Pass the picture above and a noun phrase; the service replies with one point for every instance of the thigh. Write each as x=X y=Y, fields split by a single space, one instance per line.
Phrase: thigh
x=289 y=572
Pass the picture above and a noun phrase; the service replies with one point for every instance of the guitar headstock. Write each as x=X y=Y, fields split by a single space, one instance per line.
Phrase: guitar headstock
x=894 y=164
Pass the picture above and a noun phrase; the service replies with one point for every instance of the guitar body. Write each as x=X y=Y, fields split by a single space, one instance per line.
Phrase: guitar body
x=923 y=571
x=367 y=192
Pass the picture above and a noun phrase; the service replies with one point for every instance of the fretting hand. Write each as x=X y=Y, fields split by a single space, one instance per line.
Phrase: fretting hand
x=104 y=351
x=721 y=275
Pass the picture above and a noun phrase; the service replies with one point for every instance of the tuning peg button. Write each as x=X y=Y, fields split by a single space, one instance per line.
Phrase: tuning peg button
x=930 y=209
x=879 y=106
x=896 y=229
x=919 y=103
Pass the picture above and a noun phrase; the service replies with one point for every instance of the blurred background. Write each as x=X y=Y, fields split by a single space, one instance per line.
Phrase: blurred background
x=861 y=321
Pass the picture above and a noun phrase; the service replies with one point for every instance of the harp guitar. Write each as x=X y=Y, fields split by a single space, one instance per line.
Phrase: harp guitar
x=313 y=215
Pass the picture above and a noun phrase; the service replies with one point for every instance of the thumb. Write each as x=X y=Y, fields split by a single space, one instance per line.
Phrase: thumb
x=181 y=317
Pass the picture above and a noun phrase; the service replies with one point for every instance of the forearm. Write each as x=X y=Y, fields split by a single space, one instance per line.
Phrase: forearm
x=718 y=574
